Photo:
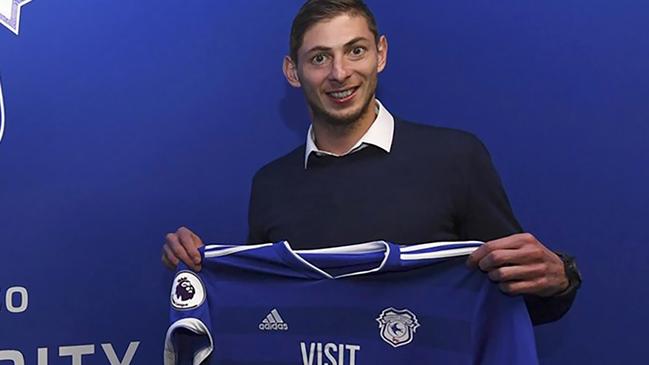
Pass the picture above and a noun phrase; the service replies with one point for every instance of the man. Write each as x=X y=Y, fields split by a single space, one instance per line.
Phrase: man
x=365 y=175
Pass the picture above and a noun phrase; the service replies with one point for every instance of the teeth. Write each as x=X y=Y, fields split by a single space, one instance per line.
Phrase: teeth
x=342 y=94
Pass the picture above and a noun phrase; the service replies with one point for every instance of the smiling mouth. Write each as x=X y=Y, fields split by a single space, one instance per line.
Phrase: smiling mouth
x=343 y=95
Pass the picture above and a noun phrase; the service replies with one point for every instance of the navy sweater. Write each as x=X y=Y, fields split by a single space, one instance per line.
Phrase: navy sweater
x=436 y=184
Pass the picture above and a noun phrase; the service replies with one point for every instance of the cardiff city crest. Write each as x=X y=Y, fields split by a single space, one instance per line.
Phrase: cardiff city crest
x=397 y=326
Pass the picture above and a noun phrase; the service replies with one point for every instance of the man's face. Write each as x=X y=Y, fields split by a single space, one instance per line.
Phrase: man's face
x=337 y=67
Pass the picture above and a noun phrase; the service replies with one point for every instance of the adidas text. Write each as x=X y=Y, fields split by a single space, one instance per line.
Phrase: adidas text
x=273 y=326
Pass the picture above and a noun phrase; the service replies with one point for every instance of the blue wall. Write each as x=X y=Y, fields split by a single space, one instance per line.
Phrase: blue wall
x=126 y=119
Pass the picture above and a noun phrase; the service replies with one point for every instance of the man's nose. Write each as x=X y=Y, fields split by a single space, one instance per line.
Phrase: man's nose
x=340 y=70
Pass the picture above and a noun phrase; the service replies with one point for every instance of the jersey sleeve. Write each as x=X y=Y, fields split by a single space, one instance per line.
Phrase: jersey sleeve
x=189 y=337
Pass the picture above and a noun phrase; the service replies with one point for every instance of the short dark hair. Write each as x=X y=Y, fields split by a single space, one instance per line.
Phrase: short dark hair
x=314 y=11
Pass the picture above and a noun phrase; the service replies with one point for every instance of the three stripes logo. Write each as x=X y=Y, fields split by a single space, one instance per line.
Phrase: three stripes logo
x=273 y=322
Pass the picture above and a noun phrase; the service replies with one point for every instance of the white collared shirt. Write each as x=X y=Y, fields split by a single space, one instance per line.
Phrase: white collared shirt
x=379 y=134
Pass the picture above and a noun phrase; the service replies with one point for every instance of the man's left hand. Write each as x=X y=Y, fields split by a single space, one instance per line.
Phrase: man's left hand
x=520 y=264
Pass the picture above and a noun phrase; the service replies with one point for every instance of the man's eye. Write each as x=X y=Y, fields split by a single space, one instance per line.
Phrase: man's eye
x=319 y=59
x=358 y=51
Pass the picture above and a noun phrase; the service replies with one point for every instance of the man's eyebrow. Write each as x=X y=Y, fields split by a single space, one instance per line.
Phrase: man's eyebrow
x=318 y=48
x=323 y=48
x=355 y=40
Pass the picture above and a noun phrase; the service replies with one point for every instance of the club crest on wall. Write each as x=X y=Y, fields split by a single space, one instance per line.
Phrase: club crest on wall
x=10 y=14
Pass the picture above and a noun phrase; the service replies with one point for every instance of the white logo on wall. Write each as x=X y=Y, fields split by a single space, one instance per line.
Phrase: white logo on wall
x=75 y=354
x=2 y=113
x=397 y=326
x=10 y=13
x=187 y=291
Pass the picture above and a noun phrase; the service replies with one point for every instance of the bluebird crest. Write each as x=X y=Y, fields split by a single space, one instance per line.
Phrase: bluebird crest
x=397 y=326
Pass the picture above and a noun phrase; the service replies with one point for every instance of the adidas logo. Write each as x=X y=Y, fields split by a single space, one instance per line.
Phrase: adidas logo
x=273 y=322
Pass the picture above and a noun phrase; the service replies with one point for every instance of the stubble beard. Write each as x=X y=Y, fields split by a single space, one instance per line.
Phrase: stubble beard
x=342 y=123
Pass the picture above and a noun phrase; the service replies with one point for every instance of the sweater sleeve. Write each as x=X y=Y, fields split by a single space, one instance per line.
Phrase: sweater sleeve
x=256 y=233
x=488 y=215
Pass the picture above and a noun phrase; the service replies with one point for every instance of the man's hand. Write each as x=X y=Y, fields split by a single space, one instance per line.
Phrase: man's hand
x=520 y=264
x=182 y=246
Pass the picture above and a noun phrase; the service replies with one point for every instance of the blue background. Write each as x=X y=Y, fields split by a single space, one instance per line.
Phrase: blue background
x=127 y=119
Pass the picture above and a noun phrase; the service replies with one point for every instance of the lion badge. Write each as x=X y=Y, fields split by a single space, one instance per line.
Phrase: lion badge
x=397 y=326
x=187 y=291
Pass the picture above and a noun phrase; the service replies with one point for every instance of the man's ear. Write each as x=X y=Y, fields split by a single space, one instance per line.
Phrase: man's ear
x=382 y=51
x=290 y=72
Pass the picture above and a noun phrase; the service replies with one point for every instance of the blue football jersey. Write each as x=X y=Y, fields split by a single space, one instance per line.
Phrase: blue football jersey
x=370 y=303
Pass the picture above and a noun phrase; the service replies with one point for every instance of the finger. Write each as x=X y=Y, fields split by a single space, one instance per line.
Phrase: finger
x=476 y=256
x=189 y=241
x=517 y=273
x=500 y=258
x=487 y=248
x=513 y=242
x=165 y=262
x=521 y=287
x=168 y=258
x=496 y=259
x=197 y=240
x=178 y=250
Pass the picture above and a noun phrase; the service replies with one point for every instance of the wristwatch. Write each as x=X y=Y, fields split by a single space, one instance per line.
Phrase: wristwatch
x=572 y=272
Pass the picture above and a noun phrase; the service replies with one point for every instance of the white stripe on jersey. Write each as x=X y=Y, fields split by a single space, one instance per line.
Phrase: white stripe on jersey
x=425 y=246
x=438 y=254
x=367 y=247
x=232 y=249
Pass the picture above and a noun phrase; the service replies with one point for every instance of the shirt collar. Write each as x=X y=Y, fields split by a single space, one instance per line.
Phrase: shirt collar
x=379 y=134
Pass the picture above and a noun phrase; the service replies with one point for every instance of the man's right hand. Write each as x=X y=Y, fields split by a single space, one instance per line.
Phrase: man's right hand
x=182 y=246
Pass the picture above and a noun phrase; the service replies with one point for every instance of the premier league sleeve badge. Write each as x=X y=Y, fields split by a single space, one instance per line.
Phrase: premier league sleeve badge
x=187 y=291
